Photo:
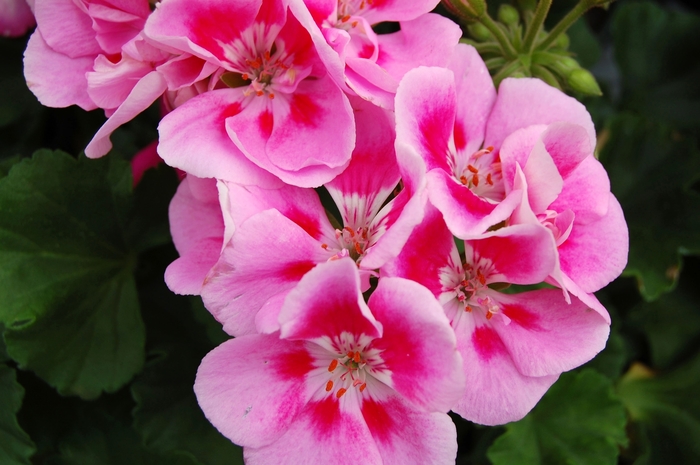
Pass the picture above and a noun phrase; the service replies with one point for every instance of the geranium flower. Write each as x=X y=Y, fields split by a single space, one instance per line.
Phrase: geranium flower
x=454 y=121
x=15 y=18
x=375 y=63
x=280 y=234
x=343 y=380
x=273 y=104
x=514 y=346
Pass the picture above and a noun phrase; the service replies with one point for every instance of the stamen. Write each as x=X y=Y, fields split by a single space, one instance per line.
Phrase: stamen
x=356 y=357
x=340 y=392
x=363 y=387
x=475 y=180
x=271 y=95
x=329 y=386
x=489 y=181
x=333 y=365
x=473 y=169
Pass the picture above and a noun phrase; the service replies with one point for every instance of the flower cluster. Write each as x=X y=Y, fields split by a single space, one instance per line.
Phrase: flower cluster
x=357 y=211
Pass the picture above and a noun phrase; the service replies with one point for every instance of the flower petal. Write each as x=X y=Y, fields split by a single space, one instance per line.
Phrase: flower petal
x=326 y=303
x=497 y=392
x=418 y=345
x=252 y=388
x=56 y=79
x=596 y=253
x=523 y=102
x=193 y=138
x=547 y=336
x=267 y=256
x=404 y=435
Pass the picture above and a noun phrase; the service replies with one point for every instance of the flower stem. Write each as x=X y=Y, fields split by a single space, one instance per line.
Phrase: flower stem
x=508 y=49
x=581 y=7
x=533 y=28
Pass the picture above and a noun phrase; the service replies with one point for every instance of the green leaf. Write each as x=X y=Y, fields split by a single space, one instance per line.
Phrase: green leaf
x=665 y=409
x=579 y=421
x=167 y=414
x=651 y=172
x=657 y=51
x=67 y=295
x=672 y=325
x=105 y=441
x=15 y=445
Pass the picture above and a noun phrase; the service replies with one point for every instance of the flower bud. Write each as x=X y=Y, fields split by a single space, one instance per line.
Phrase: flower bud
x=467 y=10
x=479 y=32
x=508 y=15
x=583 y=81
x=527 y=5
x=562 y=42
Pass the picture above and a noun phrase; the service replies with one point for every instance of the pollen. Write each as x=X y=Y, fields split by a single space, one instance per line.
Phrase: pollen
x=340 y=392
x=333 y=365
x=329 y=386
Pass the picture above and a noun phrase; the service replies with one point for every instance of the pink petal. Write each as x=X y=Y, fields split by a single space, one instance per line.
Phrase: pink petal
x=252 y=388
x=195 y=214
x=193 y=138
x=373 y=172
x=267 y=256
x=404 y=435
x=426 y=252
x=596 y=253
x=302 y=206
x=144 y=93
x=290 y=135
x=397 y=10
x=144 y=160
x=418 y=345
x=56 y=79
x=568 y=145
x=521 y=254
x=196 y=27
x=428 y=40
x=467 y=214
x=109 y=84
x=516 y=150
x=497 y=392
x=16 y=18
x=66 y=28
x=547 y=336
x=476 y=93
x=524 y=102
x=589 y=177
x=425 y=114
x=186 y=274
x=544 y=181
x=327 y=302
x=323 y=433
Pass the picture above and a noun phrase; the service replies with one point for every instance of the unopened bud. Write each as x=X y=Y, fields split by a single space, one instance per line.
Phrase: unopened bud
x=583 y=81
x=479 y=32
x=527 y=5
x=562 y=42
x=508 y=15
x=467 y=10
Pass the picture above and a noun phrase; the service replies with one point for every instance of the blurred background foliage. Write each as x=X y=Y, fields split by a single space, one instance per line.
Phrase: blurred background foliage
x=98 y=357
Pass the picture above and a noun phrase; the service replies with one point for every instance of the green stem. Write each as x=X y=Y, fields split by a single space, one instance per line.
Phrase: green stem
x=581 y=7
x=533 y=28
x=500 y=36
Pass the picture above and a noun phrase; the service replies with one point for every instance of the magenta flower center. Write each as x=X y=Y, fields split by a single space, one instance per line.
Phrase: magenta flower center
x=481 y=174
x=261 y=61
x=354 y=363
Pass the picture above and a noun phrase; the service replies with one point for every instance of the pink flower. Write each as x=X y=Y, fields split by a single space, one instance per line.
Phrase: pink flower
x=280 y=234
x=15 y=18
x=197 y=228
x=343 y=380
x=275 y=105
x=473 y=153
x=70 y=35
x=514 y=346
x=374 y=64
